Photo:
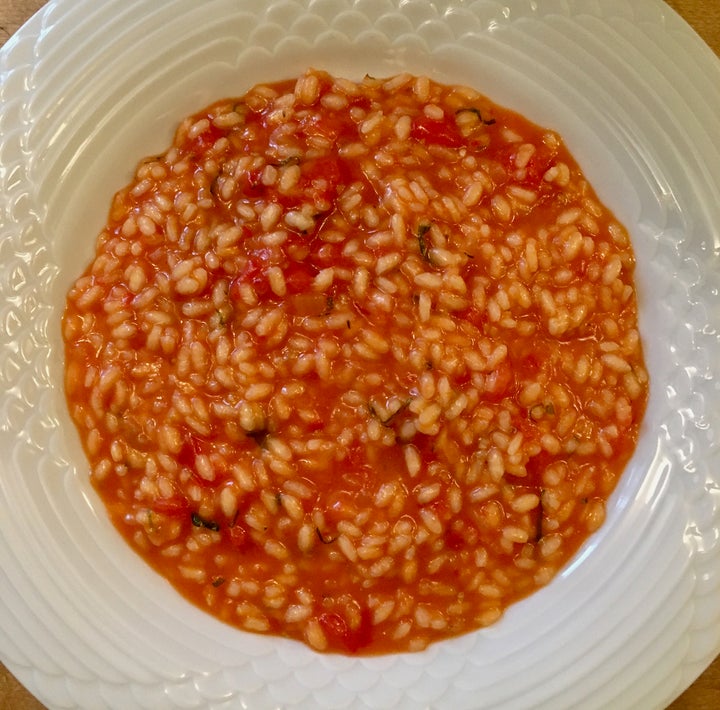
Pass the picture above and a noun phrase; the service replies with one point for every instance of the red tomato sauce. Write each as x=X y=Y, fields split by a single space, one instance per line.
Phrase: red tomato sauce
x=357 y=363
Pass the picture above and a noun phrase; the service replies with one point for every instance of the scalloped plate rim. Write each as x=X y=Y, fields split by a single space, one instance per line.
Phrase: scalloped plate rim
x=34 y=679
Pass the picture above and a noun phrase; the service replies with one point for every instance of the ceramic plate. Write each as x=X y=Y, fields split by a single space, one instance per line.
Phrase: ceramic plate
x=87 y=88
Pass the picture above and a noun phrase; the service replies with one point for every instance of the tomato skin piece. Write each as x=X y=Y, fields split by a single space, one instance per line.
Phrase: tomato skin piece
x=176 y=506
x=192 y=448
x=475 y=317
x=205 y=140
x=501 y=381
x=332 y=126
x=253 y=274
x=534 y=171
x=333 y=625
x=443 y=132
x=325 y=177
x=341 y=635
x=239 y=537
x=299 y=277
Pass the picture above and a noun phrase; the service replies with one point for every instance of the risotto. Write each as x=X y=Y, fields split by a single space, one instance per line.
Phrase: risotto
x=357 y=363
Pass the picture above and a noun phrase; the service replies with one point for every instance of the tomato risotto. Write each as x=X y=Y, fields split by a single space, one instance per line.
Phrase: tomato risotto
x=357 y=363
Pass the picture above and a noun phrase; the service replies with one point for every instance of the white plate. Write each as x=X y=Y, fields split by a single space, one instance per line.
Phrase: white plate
x=87 y=88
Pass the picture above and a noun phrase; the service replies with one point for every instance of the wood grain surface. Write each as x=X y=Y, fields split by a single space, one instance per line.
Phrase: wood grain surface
x=704 y=17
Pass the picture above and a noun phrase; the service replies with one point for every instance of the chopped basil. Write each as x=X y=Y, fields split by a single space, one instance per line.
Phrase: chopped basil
x=539 y=521
x=200 y=522
x=390 y=417
x=323 y=539
x=259 y=435
x=423 y=229
x=292 y=160
x=538 y=411
x=224 y=314
x=487 y=122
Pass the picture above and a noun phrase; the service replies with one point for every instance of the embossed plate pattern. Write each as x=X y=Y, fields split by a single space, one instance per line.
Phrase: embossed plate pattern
x=87 y=88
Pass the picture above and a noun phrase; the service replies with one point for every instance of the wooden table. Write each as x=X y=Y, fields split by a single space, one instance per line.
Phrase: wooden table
x=704 y=16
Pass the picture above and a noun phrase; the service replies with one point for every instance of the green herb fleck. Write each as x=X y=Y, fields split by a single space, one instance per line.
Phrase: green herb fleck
x=401 y=408
x=199 y=522
x=323 y=539
x=259 y=436
x=488 y=122
x=292 y=160
x=423 y=229
x=539 y=521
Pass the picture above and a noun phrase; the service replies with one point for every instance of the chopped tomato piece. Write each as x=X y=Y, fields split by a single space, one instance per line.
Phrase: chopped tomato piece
x=325 y=177
x=442 y=132
x=254 y=275
x=175 y=506
x=252 y=183
x=500 y=381
x=308 y=304
x=239 y=537
x=299 y=277
x=534 y=171
x=331 y=126
x=205 y=140
x=191 y=448
x=475 y=316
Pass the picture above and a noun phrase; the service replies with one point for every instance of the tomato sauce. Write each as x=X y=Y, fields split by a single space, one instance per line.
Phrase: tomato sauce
x=357 y=363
